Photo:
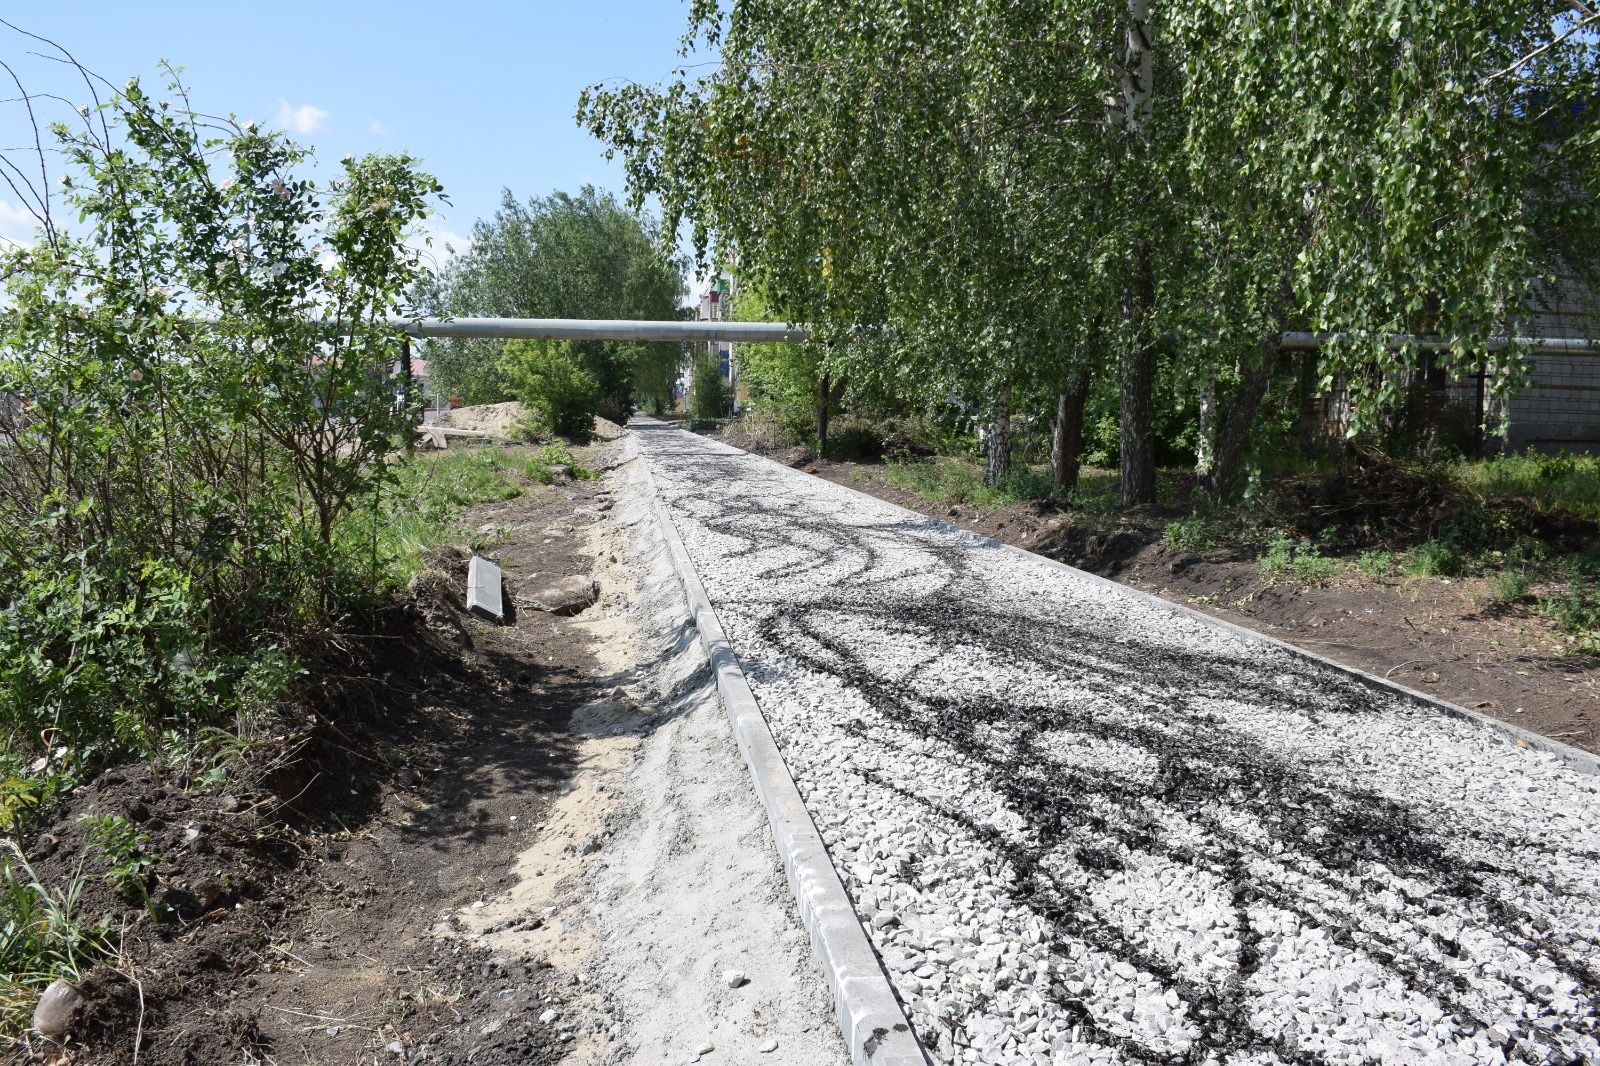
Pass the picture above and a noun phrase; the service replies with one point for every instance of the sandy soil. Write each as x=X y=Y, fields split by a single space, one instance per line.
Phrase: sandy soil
x=495 y=419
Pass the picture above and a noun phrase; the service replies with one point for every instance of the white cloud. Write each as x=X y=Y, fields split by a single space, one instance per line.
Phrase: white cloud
x=17 y=225
x=377 y=127
x=307 y=118
x=437 y=245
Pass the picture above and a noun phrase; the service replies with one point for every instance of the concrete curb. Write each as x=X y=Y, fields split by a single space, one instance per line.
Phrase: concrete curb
x=870 y=1017
x=1516 y=736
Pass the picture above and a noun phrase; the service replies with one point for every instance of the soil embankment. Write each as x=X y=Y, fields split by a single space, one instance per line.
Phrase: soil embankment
x=492 y=844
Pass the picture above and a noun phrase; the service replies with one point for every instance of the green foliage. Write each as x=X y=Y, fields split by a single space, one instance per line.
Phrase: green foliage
x=422 y=508
x=781 y=379
x=1193 y=534
x=1300 y=560
x=562 y=256
x=1366 y=169
x=708 y=391
x=853 y=440
x=1376 y=565
x=173 y=497
x=41 y=937
x=1548 y=482
x=1577 y=611
x=950 y=480
x=125 y=851
x=549 y=378
x=1510 y=586
x=1435 y=558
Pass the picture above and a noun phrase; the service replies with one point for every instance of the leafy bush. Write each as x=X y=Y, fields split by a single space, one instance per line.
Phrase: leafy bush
x=1436 y=558
x=176 y=498
x=1299 y=560
x=708 y=392
x=1577 y=611
x=1376 y=565
x=548 y=377
x=126 y=851
x=854 y=440
x=1510 y=586
x=1192 y=534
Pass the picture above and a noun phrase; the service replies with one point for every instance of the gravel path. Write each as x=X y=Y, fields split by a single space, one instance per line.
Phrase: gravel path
x=1081 y=830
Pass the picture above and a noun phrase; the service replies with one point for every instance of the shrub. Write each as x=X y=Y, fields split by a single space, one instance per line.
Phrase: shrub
x=708 y=392
x=854 y=440
x=548 y=377
x=1510 y=586
x=1302 y=561
x=1192 y=534
x=1376 y=565
x=1436 y=558
x=176 y=499
x=1577 y=611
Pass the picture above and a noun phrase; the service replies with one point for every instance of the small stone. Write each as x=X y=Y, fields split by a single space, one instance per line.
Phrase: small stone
x=735 y=978
x=394 y=1047
x=590 y=845
x=768 y=1046
x=705 y=1049
x=548 y=1016
x=57 y=1008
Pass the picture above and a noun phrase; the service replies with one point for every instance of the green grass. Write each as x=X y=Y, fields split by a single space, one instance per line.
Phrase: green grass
x=949 y=480
x=41 y=937
x=1435 y=558
x=1510 y=586
x=1576 y=610
x=423 y=508
x=1550 y=482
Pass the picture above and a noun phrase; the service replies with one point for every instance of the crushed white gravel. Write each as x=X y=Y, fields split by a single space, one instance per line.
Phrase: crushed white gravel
x=1079 y=829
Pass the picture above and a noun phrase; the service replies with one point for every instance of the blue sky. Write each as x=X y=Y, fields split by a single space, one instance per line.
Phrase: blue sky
x=483 y=92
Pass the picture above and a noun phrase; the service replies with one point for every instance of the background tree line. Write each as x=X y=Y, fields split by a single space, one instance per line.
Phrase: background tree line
x=1116 y=207
x=560 y=256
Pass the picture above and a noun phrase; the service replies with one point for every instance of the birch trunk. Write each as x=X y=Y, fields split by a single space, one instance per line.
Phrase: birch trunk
x=1138 y=361
x=824 y=402
x=1066 y=438
x=1205 y=445
x=1233 y=442
x=997 y=449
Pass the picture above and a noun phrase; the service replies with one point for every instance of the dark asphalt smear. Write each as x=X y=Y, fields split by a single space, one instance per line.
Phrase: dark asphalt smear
x=1084 y=830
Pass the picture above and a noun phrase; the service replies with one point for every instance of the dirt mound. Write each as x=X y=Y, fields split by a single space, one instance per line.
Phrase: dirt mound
x=605 y=429
x=1374 y=501
x=495 y=419
x=1371 y=500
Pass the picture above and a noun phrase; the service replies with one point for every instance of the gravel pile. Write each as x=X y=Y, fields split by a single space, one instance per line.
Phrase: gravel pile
x=1080 y=830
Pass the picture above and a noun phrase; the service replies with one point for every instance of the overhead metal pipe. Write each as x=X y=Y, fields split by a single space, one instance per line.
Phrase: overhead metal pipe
x=779 y=333
x=1545 y=345
x=596 y=329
